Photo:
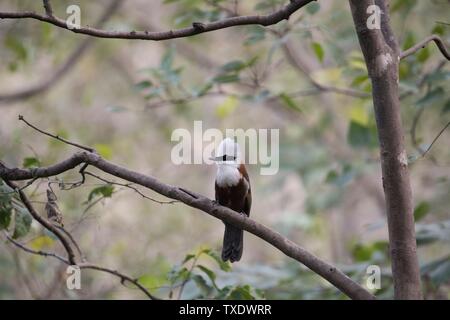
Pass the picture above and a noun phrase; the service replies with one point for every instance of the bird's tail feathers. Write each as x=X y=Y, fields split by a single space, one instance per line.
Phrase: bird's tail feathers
x=233 y=243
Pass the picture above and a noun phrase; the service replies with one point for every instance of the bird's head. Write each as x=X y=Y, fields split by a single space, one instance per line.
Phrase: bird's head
x=227 y=154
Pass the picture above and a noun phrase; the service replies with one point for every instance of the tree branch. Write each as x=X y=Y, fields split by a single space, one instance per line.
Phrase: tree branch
x=21 y=118
x=195 y=200
x=381 y=57
x=36 y=252
x=85 y=265
x=43 y=221
x=422 y=44
x=265 y=20
x=48 y=8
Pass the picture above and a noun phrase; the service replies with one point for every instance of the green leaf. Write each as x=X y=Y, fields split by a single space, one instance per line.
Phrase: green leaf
x=178 y=274
x=421 y=210
x=227 y=107
x=423 y=55
x=358 y=114
x=340 y=179
x=409 y=41
x=235 y=66
x=438 y=76
x=30 y=162
x=357 y=81
x=167 y=60
x=152 y=281
x=41 y=242
x=16 y=46
x=318 y=50
x=438 y=29
x=438 y=271
x=211 y=275
x=142 y=85
x=256 y=34
x=360 y=136
x=202 y=284
x=403 y=5
x=22 y=223
x=203 y=89
x=362 y=252
x=104 y=150
x=224 y=266
x=312 y=8
x=226 y=78
x=289 y=102
x=446 y=107
x=5 y=209
x=188 y=257
x=242 y=293
x=105 y=191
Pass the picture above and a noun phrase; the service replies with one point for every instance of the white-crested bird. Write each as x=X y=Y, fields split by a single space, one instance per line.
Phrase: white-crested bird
x=233 y=191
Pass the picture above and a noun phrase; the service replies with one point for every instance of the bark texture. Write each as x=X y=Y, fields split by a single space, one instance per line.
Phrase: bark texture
x=381 y=54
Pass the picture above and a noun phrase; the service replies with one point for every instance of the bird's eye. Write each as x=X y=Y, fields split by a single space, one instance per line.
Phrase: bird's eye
x=224 y=158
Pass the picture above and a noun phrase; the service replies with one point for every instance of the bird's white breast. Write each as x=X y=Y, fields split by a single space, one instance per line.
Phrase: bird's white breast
x=227 y=176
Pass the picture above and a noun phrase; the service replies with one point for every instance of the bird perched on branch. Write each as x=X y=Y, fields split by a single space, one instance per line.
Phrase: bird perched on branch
x=233 y=191
x=51 y=207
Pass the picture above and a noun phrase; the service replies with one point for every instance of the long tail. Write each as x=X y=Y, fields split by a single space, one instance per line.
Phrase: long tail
x=233 y=243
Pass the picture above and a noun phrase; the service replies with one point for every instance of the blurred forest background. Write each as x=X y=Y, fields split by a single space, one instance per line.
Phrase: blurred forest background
x=125 y=97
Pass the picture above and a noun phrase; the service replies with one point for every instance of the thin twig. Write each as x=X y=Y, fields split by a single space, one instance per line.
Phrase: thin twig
x=74 y=242
x=130 y=186
x=37 y=252
x=435 y=139
x=422 y=44
x=21 y=118
x=185 y=281
x=48 y=8
x=43 y=221
x=84 y=265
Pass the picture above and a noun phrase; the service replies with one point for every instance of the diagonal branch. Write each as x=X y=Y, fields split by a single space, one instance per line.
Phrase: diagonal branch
x=195 y=200
x=192 y=199
x=44 y=222
x=265 y=20
x=48 y=8
x=422 y=44
x=21 y=118
x=85 y=265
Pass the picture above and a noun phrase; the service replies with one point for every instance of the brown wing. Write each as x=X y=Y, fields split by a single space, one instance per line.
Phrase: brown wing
x=248 y=196
x=248 y=201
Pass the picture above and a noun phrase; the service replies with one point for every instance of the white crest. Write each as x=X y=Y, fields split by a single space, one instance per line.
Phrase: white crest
x=229 y=148
x=227 y=170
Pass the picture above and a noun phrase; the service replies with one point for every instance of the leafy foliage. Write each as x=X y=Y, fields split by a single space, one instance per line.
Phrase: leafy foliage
x=12 y=210
x=196 y=277
x=104 y=191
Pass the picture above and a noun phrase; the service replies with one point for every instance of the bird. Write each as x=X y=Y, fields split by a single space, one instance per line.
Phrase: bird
x=232 y=190
x=51 y=207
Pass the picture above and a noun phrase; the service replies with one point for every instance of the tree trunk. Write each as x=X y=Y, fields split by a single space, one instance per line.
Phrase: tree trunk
x=381 y=54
